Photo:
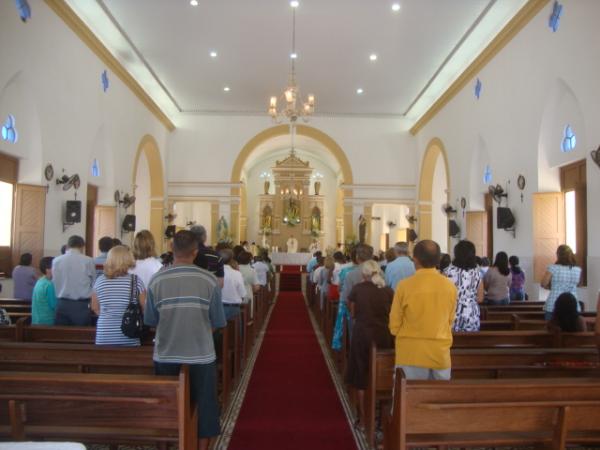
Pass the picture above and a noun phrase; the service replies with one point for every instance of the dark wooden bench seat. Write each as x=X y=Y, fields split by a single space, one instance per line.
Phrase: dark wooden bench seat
x=483 y=364
x=103 y=408
x=468 y=413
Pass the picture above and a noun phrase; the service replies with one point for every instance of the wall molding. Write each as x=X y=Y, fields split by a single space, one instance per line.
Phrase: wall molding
x=74 y=22
x=506 y=35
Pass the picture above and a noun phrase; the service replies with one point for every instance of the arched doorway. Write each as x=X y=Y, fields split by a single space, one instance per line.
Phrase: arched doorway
x=148 y=178
x=329 y=144
x=434 y=186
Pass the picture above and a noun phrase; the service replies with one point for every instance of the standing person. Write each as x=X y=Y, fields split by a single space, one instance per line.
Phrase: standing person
x=73 y=275
x=325 y=280
x=465 y=275
x=370 y=302
x=421 y=318
x=184 y=304
x=249 y=274
x=496 y=281
x=517 y=283
x=234 y=289
x=562 y=276
x=24 y=277
x=207 y=258
x=111 y=296
x=400 y=268
x=292 y=244
x=43 y=301
x=104 y=245
x=262 y=271
x=144 y=252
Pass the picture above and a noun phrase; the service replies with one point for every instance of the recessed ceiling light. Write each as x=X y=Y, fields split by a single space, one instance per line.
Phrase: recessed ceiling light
x=213 y=54
x=359 y=91
x=373 y=57
x=294 y=3
x=226 y=88
x=194 y=2
x=396 y=7
x=293 y=55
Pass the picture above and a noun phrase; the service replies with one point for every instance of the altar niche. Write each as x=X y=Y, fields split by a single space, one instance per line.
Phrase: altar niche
x=291 y=210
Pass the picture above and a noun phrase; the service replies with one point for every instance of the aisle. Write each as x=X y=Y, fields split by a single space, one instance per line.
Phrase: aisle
x=291 y=402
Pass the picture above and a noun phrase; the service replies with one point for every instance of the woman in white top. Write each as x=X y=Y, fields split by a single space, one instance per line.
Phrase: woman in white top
x=234 y=290
x=146 y=262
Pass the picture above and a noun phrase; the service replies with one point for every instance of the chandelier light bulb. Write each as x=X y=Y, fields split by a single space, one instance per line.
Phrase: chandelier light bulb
x=373 y=57
x=359 y=91
x=226 y=88
x=311 y=100
x=294 y=3
x=194 y=2
x=294 y=55
x=396 y=7
x=289 y=96
x=273 y=103
x=213 y=54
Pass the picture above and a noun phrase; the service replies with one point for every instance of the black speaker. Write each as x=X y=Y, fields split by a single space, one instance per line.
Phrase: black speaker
x=129 y=223
x=504 y=218
x=453 y=228
x=411 y=235
x=73 y=212
x=170 y=231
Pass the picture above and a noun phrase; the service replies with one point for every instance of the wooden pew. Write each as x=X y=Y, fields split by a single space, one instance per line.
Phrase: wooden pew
x=103 y=408
x=486 y=339
x=482 y=363
x=490 y=413
x=82 y=358
x=8 y=333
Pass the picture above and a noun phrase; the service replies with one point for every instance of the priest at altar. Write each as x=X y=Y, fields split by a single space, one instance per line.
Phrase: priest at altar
x=292 y=244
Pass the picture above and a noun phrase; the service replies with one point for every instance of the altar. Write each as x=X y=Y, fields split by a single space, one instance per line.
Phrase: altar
x=290 y=259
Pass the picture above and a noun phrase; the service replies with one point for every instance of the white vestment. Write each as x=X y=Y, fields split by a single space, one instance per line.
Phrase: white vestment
x=292 y=245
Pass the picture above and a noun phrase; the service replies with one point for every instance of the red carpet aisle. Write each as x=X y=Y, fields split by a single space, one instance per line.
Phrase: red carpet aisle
x=290 y=278
x=291 y=402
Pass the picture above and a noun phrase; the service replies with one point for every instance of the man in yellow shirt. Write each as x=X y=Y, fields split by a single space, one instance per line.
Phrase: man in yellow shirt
x=421 y=318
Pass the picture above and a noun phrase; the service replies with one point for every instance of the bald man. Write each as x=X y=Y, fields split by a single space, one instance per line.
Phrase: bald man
x=421 y=318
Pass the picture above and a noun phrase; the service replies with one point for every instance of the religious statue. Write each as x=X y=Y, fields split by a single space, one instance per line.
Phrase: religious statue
x=362 y=229
x=292 y=244
x=315 y=221
x=223 y=230
x=267 y=220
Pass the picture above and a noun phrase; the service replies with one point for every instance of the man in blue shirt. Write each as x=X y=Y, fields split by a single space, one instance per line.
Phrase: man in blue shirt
x=400 y=268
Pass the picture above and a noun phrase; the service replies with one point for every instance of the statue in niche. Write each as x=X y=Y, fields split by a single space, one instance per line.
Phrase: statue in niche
x=267 y=220
x=315 y=221
x=223 y=230
x=362 y=229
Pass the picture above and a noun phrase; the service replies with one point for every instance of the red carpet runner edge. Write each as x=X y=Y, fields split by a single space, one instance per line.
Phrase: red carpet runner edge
x=291 y=402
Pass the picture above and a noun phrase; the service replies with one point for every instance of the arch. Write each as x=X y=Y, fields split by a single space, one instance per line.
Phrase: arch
x=435 y=149
x=149 y=148
x=301 y=130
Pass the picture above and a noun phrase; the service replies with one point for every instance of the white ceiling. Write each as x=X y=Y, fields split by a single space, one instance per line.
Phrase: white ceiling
x=165 y=45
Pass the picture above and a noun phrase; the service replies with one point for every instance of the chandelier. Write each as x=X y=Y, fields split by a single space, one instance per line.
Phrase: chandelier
x=293 y=106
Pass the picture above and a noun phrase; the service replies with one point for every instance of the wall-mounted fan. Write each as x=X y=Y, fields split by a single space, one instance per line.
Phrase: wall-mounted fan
x=128 y=200
x=448 y=209
x=170 y=217
x=411 y=219
x=497 y=192
x=69 y=182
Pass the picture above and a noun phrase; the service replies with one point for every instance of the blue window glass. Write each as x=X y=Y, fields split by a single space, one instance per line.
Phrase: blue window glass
x=9 y=130
x=487 y=175
x=554 y=21
x=95 y=168
x=569 y=140
x=478 y=86
x=105 y=82
x=24 y=9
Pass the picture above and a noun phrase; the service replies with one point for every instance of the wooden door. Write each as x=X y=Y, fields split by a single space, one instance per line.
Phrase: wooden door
x=548 y=230
x=90 y=207
x=477 y=231
x=489 y=210
x=105 y=223
x=28 y=223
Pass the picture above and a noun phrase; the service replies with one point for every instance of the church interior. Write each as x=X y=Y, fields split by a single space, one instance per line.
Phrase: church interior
x=285 y=128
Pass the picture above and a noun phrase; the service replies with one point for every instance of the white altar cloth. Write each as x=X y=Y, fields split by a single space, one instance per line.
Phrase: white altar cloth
x=290 y=259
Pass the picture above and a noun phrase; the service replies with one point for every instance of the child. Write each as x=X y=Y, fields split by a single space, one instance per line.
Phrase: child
x=517 y=285
x=43 y=302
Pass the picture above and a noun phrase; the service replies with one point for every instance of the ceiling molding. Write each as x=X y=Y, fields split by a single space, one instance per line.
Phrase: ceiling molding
x=514 y=26
x=73 y=21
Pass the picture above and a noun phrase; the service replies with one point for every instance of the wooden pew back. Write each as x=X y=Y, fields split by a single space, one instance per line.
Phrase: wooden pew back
x=507 y=412
x=98 y=408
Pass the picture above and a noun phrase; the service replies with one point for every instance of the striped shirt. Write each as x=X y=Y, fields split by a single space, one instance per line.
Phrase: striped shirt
x=113 y=298
x=184 y=304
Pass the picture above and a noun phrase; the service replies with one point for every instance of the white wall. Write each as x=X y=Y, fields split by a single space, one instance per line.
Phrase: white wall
x=142 y=194
x=379 y=228
x=50 y=82
x=439 y=196
x=531 y=89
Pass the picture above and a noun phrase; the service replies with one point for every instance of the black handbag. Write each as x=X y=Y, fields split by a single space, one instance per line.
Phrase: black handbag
x=133 y=318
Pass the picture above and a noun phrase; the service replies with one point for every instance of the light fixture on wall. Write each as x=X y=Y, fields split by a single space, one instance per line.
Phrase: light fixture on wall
x=293 y=107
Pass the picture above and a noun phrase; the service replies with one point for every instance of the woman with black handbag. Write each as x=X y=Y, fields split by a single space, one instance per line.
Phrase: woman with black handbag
x=118 y=299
